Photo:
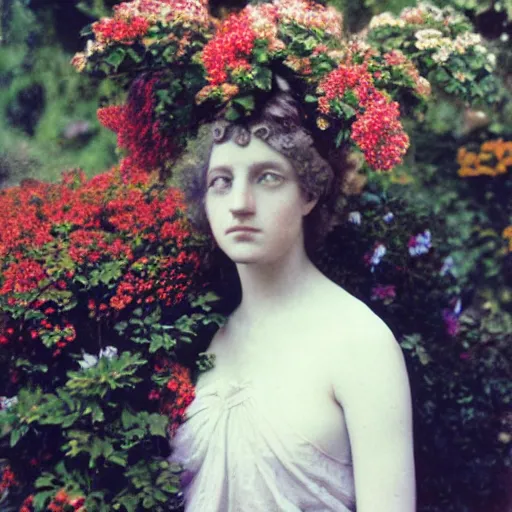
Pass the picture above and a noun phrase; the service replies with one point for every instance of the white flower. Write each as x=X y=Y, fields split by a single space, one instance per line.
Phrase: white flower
x=428 y=33
x=442 y=55
x=377 y=255
x=458 y=307
x=388 y=217
x=491 y=58
x=7 y=403
x=88 y=361
x=109 y=352
x=386 y=19
x=354 y=218
x=429 y=44
x=420 y=244
x=504 y=37
x=467 y=39
x=448 y=266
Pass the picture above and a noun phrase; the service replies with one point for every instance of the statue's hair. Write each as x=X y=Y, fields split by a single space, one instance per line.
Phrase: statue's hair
x=320 y=173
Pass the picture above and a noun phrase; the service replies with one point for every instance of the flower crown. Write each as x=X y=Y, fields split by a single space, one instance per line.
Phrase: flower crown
x=184 y=68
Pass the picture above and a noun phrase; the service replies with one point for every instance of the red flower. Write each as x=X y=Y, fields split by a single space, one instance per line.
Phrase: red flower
x=22 y=277
x=110 y=30
x=172 y=385
x=229 y=48
x=137 y=131
x=26 y=506
x=380 y=135
x=8 y=479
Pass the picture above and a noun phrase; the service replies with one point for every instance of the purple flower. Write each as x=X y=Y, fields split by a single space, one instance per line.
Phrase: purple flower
x=385 y=293
x=420 y=244
x=375 y=257
x=451 y=318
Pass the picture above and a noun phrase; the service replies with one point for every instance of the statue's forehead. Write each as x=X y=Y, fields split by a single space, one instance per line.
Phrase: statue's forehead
x=231 y=154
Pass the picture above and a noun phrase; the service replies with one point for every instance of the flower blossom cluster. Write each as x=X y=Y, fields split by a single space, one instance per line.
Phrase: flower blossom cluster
x=137 y=130
x=377 y=130
x=385 y=293
x=420 y=244
x=229 y=49
x=27 y=504
x=507 y=235
x=62 y=501
x=132 y=20
x=103 y=221
x=417 y=15
x=310 y=14
x=493 y=159
x=397 y=58
x=7 y=480
x=451 y=318
x=167 y=11
x=179 y=394
x=111 y=30
x=374 y=257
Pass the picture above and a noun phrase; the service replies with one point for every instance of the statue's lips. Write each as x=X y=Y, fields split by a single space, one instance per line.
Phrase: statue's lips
x=242 y=229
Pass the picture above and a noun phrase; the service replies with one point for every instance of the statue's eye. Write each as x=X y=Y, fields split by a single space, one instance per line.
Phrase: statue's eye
x=219 y=183
x=270 y=177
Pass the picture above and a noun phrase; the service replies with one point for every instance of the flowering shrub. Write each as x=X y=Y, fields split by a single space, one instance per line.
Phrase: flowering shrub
x=97 y=296
x=457 y=348
x=443 y=46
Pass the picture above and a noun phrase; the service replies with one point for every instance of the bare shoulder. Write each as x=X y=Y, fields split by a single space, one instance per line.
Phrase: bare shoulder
x=356 y=326
x=362 y=348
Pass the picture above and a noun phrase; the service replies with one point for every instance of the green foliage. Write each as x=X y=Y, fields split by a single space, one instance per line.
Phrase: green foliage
x=34 y=140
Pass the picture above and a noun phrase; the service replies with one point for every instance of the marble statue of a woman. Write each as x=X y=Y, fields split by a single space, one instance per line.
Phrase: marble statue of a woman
x=308 y=406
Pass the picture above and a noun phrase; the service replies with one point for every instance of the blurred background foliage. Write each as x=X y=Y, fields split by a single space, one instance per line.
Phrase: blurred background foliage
x=48 y=124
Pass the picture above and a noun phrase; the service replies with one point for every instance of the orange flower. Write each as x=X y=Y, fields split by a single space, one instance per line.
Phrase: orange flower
x=496 y=154
x=507 y=234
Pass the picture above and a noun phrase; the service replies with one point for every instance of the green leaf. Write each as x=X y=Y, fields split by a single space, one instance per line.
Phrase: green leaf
x=158 y=425
x=134 y=55
x=247 y=102
x=263 y=79
x=120 y=460
x=17 y=434
x=231 y=114
x=116 y=57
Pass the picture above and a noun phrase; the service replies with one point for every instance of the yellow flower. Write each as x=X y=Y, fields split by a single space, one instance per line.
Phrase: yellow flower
x=322 y=123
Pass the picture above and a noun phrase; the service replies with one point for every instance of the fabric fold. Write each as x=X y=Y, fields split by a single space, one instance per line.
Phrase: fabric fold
x=236 y=458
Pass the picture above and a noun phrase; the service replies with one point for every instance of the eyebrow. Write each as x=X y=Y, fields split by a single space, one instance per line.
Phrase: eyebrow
x=258 y=166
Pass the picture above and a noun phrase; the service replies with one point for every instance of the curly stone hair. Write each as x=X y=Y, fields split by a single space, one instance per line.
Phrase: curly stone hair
x=321 y=171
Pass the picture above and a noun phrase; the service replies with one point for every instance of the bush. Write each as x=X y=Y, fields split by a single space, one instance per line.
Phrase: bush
x=97 y=293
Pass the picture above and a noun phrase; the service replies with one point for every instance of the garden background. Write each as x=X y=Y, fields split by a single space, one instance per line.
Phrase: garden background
x=100 y=279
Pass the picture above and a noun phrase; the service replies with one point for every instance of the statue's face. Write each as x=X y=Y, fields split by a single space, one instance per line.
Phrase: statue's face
x=254 y=187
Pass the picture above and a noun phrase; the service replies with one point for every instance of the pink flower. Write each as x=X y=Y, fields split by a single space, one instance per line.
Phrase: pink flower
x=385 y=293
